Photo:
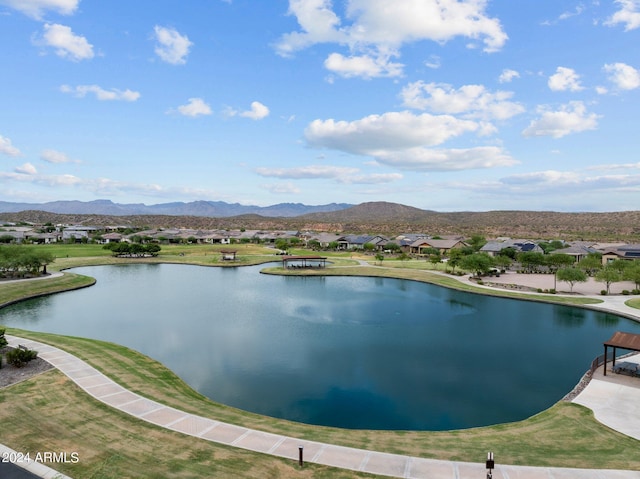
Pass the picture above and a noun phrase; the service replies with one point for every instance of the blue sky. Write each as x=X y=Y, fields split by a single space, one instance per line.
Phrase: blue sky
x=446 y=105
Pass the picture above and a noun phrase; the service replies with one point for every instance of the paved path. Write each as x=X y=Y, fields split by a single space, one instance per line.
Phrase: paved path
x=104 y=389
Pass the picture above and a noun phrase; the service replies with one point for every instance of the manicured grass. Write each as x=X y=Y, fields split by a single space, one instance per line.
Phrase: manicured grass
x=633 y=303
x=17 y=290
x=50 y=413
x=565 y=435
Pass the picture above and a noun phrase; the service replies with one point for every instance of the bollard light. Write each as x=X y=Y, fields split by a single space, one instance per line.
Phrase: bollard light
x=300 y=459
x=490 y=465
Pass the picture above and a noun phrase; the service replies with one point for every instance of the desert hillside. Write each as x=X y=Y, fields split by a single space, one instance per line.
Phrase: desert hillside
x=389 y=219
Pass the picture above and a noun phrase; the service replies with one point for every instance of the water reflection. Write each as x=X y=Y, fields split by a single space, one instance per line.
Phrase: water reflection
x=349 y=352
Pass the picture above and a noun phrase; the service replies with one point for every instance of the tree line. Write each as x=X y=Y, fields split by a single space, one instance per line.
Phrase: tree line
x=136 y=250
x=18 y=261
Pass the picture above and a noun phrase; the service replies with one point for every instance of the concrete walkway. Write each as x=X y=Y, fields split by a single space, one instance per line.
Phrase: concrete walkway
x=104 y=389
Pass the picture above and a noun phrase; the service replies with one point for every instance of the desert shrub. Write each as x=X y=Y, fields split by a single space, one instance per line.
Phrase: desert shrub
x=635 y=291
x=19 y=357
x=603 y=292
x=625 y=292
x=552 y=291
x=3 y=340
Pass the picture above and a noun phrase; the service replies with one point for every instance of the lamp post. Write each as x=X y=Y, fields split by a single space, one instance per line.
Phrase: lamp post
x=300 y=453
x=490 y=465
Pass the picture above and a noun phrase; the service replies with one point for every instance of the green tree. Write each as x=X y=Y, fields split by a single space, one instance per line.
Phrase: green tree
x=3 y=340
x=477 y=242
x=619 y=265
x=502 y=262
x=549 y=246
x=509 y=252
x=314 y=245
x=282 y=244
x=479 y=263
x=435 y=258
x=556 y=261
x=591 y=263
x=369 y=247
x=455 y=256
x=393 y=247
x=571 y=275
x=152 y=249
x=531 y=261
x=608 y=276
x=632 y=273
x=379 y=258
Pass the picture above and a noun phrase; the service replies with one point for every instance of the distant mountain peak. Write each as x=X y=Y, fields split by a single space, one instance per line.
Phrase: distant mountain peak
x=216 y=209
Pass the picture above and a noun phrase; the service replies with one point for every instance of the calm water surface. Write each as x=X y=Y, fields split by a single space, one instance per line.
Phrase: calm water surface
x=350 y=352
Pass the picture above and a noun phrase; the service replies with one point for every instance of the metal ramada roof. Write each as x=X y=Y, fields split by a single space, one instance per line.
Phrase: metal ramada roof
x=624 y=340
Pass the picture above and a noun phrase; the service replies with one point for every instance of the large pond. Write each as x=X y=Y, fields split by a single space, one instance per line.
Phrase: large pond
x=341 y=351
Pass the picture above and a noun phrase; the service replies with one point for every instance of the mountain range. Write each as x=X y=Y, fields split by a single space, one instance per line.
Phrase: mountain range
x=214 y=209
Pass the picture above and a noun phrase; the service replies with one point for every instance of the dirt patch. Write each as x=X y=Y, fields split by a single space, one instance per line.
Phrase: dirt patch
x=11 y=375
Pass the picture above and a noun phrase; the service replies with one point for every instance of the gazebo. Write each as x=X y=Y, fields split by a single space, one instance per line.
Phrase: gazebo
x=620 y=340
x=304 y=262
x=228 y=255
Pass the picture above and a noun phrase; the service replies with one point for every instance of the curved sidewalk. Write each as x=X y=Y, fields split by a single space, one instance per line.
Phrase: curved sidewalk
x=107 y=391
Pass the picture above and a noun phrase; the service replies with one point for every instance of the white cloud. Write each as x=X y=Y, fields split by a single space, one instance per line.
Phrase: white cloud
x=393 y=130
x=427 y=159
x=172 y=47
x=565 y=79
x=379 y=28
x=308 y=172
x=6 y=148
x=37 y=8
x=566 y=15
x=340 y=174
x=195 y=107
x=629 y=14
x=101 y=94
x=616 y=166
x=564 y=181
x=318 y=23
x=26 y=169
x=56 y=157
x=434 y=62
x=624 y=76
x=403 y=140
x=508 y=75
x=258 y=111
x=68 y=45
x=473 y=100
x=570 y=118
x=548 y=178
x=282 y=188
x=363 y=66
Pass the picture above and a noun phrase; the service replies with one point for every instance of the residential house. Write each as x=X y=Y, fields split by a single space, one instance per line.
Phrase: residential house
x=626 y=252
x=493 y=248
x=578 y=251
x=444 y=246
x=351 y=242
